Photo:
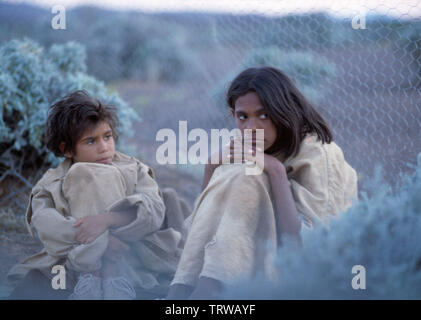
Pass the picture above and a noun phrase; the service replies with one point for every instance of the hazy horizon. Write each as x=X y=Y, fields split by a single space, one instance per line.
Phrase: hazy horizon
x=396 y=8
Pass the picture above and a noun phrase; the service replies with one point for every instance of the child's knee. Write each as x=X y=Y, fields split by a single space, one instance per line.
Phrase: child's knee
x=90 y=188
x=239 y=187
x=241 y=178
x=87 y=170
x=86 y=174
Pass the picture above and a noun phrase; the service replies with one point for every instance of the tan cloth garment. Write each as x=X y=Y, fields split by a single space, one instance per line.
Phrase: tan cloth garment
x=232 y=233
x=71 y=191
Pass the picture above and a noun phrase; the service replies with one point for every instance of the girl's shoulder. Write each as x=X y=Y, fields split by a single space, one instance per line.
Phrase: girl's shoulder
x=313 y=150
x=320 y=161
x=331 y=153
x=331 y=183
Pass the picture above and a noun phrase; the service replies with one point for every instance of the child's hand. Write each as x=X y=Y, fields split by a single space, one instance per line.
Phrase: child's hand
x=266 y=162
x=90 y=228
x=115 y=249
x=221 y=155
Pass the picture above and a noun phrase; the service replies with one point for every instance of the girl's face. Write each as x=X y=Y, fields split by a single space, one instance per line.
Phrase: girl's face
x=95 y=145
x=249 y=113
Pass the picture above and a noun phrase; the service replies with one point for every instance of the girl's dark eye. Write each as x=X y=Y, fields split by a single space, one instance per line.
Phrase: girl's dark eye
x=263 y=116
x=90 y=141
x=108 y=136
x=242 y=117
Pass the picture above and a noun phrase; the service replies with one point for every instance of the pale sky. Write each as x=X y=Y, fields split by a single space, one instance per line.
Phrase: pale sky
x=344 y=8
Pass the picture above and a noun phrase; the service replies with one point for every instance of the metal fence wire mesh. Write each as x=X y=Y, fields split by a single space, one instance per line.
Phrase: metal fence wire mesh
x=363 y=75
x=365 y=81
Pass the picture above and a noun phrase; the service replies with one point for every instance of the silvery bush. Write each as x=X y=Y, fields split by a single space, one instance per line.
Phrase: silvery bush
x=382 y=233
x=31 y=79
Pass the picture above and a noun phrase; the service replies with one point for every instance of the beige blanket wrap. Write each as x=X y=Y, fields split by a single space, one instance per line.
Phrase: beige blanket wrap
x=231 y=233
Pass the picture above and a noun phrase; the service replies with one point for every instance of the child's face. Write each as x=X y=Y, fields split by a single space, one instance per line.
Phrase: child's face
x=95 y=145
x=249 y=113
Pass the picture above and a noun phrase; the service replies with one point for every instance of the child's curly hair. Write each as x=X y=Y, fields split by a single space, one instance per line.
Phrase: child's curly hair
x=71 y=116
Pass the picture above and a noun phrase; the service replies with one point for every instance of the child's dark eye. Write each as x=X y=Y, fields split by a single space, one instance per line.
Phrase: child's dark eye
x=90 y=141
x=242 y=117
x=263 y=116
x=108 y=136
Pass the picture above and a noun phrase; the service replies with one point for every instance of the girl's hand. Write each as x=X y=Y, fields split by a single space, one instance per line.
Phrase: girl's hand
x=268 y=163
x=91 y=227
x=115 y=249
x=220 y=157
x=221 y=154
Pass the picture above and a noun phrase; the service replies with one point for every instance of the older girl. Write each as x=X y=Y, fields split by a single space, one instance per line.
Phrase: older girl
x=239 y=220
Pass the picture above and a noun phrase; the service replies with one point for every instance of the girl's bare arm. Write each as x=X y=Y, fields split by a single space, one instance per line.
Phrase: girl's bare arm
x=286 y=215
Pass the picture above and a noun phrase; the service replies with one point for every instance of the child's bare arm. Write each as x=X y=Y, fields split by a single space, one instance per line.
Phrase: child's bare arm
x=211 y=167
x=287 y=220
x=90 y=227
x=286 y=214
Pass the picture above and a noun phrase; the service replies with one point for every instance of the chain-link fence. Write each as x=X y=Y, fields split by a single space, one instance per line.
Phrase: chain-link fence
x=360 y=66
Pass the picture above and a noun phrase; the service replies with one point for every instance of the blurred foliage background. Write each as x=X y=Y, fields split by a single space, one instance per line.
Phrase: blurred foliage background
x=161 y=68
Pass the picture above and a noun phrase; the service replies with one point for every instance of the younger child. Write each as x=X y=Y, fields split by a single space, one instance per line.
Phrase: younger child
x=99 y=214
x=239 y=220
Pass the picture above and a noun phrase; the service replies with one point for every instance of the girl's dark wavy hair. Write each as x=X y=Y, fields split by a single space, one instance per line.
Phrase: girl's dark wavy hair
x=69 y=118
x=292 y=114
